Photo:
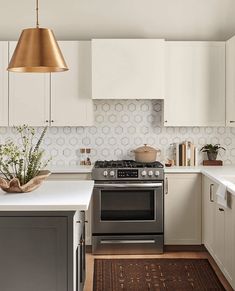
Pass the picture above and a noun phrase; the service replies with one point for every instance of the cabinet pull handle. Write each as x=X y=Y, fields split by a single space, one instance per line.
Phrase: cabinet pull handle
x=221 y=209
x=166 y=185
x=79 y=221
x=232 y=121
x=47 y=121
x=52 y=121
x=211 y=192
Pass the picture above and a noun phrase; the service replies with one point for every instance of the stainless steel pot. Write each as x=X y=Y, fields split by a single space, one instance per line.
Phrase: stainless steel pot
x=145 y=154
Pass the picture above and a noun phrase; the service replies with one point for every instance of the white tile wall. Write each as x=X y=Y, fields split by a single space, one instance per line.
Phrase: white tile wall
x=122 y=125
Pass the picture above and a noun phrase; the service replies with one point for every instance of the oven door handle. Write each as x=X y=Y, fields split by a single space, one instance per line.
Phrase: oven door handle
x=126 y=241
x=129 y=185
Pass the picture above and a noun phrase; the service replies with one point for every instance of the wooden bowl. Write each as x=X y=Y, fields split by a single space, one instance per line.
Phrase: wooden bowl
x=14 y=186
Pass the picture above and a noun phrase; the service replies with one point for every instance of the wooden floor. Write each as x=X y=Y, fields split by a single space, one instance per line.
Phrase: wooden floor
x=172 y=254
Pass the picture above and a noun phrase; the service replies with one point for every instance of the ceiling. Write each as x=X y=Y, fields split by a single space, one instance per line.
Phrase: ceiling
x=86 y=19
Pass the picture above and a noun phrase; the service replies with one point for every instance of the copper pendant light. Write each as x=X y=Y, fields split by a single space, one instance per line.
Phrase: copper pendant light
x=37 y=51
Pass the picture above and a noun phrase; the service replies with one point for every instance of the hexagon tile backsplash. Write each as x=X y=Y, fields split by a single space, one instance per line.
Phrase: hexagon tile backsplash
x=122 y=125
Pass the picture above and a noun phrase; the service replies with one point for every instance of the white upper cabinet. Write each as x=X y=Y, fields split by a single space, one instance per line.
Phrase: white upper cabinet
x=194 y=84
x=128 y=69
x=230 y=83
x=71 y=103
x=29 y=97
x=3 y=83
x=58 y=99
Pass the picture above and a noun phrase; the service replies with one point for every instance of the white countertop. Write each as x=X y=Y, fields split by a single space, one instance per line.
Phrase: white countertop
x=183 y=169
x=50 y=196
x=70 y=169
x=220 y=174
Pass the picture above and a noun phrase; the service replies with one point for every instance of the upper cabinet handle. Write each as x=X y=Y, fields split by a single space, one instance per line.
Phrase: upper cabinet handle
x=211 y=192
x=232 y=121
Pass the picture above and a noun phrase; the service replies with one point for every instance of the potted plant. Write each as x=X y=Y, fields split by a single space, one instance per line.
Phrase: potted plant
x=21 y=164
x=212 y=150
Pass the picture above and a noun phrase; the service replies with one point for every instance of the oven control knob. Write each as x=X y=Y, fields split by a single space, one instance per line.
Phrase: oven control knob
x=112 y=173
x=150 y=173
x=105 y=173
x=157 y=173
x=143 y=173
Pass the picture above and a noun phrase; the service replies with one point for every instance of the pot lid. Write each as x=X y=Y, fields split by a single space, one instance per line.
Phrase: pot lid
x=145 y=149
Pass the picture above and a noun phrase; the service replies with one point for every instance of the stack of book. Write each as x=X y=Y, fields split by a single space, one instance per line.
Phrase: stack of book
x=186 y=154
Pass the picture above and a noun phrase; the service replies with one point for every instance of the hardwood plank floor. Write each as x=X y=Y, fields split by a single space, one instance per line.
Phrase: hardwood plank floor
x=169 y=254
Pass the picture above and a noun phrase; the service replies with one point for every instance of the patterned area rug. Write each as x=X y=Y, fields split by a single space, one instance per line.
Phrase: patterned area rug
x=154 y=275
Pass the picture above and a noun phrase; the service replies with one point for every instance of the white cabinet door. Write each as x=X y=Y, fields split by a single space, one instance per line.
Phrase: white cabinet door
x=71 y=103
x=230 y=84
x=88 y=225
x=29 y=97
x=195 y=84
x=229 y=239
x=128 y=69
x=3 y=83
x=218 y=226
x=219 y=235
x=183 y=209
x=208 y=213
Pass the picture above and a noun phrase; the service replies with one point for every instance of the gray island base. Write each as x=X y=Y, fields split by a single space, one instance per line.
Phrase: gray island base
x=42 y=251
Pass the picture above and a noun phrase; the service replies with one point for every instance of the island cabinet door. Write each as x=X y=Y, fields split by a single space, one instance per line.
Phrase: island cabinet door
x=33 y=254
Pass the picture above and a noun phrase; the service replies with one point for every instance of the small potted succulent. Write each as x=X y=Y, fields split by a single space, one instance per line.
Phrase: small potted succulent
x=212 y=150
x=21 y=163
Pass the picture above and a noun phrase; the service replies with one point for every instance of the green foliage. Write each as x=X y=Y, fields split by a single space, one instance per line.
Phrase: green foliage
x=212 y=148
x=23 y=160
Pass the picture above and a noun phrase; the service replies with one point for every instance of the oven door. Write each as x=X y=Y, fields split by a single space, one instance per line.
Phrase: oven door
x=128 y=208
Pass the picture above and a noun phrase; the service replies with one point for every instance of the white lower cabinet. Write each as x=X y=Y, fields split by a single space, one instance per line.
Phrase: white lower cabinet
x=208 y=214
x=183 y=209
x=219 y=229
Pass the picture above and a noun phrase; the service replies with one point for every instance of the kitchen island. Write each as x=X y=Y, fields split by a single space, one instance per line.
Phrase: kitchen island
x=42 y=237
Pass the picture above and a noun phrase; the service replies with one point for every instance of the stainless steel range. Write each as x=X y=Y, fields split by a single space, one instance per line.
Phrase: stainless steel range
x=127 y=214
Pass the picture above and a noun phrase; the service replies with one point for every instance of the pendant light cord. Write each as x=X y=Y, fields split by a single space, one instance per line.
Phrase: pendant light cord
x=37 y=22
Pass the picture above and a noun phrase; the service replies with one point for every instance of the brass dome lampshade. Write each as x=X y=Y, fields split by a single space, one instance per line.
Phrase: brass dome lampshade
x=37 y=51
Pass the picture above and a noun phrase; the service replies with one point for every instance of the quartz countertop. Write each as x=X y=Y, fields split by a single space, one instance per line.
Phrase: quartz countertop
x=176 y=169
x=50 y=196
x=219 y=174
x=70 y=169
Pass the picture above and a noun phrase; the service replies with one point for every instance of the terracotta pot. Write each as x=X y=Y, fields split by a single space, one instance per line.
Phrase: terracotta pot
x=145 y=154
x=14 y=186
